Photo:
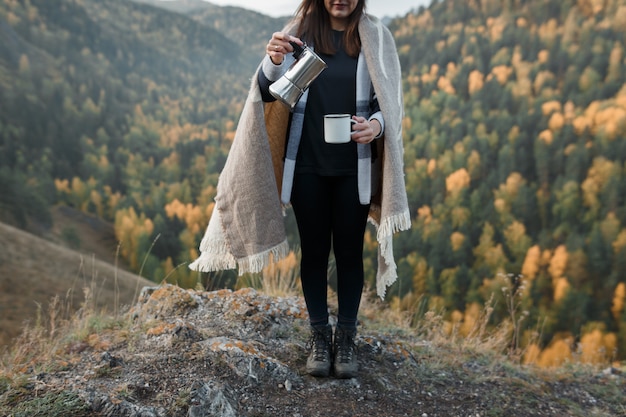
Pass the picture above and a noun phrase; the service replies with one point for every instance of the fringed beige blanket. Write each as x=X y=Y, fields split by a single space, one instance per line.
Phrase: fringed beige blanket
x=246 y=229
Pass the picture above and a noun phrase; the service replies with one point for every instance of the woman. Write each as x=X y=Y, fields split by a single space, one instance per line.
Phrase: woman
x=332 y=188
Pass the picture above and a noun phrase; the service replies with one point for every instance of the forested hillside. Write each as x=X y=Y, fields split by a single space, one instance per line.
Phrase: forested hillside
x=118 y=109
x=251 y=30
x=515 y=140
x=515 y=151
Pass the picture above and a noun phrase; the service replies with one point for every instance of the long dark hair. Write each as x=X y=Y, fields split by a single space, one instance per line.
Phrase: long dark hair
x=314 y=27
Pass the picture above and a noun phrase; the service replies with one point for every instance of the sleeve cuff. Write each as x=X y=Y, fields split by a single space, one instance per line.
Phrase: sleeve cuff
x=272 y=71
x=379 y=116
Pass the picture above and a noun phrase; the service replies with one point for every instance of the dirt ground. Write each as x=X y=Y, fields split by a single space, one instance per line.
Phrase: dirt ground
x=224 y=353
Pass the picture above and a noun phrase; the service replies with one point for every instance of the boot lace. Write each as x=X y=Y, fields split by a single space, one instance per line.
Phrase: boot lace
x=319 y=346
x=345 y=347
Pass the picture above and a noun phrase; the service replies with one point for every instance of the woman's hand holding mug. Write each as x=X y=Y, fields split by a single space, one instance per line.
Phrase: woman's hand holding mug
x=364 y=131
x=279 y=45
x=341 y=128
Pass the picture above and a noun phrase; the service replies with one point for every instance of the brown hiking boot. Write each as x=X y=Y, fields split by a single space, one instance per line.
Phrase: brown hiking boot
x=346 y=365
x=319 y=361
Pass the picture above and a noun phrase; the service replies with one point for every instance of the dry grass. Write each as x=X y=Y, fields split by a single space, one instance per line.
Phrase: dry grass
x=283 y=279
x=60 y=319
x=56 y=330
x=35 y=271
x=43 y=346
x=279 y=279
x=442 y=348
x=434 y=331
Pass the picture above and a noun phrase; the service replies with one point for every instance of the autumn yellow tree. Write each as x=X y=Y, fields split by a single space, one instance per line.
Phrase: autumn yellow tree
x=134 y=232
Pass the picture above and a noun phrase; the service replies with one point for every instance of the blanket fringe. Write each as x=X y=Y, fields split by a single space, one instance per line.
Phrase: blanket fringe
x=217 y=258
x=210 y=261
x=256 y=262
x=386 y=229
x=214 y=252
x=386 y=280
x=393 y=224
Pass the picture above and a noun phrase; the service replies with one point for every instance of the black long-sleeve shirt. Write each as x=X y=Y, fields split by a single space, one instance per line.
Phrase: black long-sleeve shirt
x=332 y=92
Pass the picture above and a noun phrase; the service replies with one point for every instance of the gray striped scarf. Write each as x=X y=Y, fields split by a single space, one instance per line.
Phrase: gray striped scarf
x=363 y=95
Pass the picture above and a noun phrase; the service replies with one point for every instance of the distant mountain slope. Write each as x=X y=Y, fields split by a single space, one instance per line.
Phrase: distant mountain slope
x=109 y=55
x=250 y=29
x=75 y=74
x=34 y=270
x=180 y=6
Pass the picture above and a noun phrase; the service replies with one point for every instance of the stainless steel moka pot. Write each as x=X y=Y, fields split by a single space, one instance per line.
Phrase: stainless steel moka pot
x=290 y=87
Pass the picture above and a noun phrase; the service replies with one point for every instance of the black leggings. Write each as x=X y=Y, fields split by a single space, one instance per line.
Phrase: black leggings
x=328 y=209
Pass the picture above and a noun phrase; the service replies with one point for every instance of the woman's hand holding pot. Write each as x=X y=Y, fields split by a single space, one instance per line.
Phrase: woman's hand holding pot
x=279 y=45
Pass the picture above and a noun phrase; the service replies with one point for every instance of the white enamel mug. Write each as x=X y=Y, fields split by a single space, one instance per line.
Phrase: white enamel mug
x=338 y=128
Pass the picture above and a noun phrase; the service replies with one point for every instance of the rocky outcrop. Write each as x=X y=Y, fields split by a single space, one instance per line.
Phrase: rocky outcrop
x=241 y=353
x=223 y=353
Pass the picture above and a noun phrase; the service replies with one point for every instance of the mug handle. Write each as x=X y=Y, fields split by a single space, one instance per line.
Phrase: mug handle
x=352 y=122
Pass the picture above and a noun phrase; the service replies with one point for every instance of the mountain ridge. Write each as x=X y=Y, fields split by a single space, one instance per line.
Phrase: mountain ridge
x=228 y=20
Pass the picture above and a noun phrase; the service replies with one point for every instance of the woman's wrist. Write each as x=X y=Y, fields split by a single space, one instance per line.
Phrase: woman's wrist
x=273 y=62
x=377 y=128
